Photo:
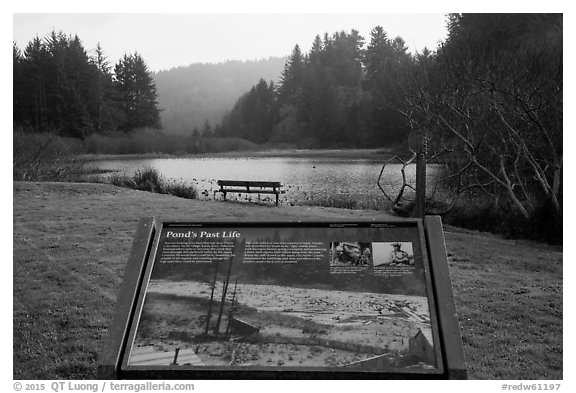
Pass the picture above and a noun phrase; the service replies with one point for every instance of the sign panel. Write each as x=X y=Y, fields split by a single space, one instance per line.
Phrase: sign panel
x=339 y=298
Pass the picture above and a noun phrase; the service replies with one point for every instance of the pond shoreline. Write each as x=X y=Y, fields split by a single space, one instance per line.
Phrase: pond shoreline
x=338 y=178
x=368 y=154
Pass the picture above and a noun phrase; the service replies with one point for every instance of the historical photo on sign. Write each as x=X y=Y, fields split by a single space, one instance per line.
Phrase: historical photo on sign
x=348 y=257
x=393 y=259
x=270 y=299
x=393 y=254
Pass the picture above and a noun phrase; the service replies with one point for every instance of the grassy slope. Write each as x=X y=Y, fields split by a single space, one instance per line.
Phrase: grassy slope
x=508 y=296
x=71 y=242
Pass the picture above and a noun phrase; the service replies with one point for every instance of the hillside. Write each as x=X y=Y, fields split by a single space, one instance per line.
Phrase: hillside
x=191 y=95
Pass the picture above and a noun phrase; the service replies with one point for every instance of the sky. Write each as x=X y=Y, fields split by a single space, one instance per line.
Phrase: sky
x=171 y=40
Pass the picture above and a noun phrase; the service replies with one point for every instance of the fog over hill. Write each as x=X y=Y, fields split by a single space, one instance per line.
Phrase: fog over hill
x=191 y=95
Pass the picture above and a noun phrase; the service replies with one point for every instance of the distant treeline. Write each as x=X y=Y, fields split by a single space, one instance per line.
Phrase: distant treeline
x=327 y=97
x=59 y=87
x=200 y=93
x=152 y=141
x=149 y=141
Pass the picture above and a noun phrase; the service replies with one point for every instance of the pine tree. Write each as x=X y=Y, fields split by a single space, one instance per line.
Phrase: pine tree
x=18 y=95
x=292 y=77
x=137 y=95
x=385 y=63
x=207 y=130
x=107 y=117
x=59 y=88
x=103 y=71
x=77 y=90
x=315 y=55
x=33 y=87
x=253 y=115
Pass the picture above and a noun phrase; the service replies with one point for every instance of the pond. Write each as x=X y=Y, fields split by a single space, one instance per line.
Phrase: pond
x=337 y=182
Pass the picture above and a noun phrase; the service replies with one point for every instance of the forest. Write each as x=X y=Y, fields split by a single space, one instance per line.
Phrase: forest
x=344 y=93
x=59 y=88
x=323 y=98
x=196 y=97
x=326 y=98
x=486 y=105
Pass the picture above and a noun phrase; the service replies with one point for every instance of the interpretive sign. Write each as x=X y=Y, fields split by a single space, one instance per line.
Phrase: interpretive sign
x=254 y=300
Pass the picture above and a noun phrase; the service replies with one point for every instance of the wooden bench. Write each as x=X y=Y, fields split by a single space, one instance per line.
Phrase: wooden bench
x=250 y=187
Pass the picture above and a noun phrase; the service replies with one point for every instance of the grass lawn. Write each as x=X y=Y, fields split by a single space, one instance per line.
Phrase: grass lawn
x=71 y=242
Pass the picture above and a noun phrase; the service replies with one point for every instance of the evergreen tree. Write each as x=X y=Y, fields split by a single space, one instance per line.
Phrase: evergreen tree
x=386 y=62
x=79 y=109
x=137 y=96
x=319 y=102
x=346 y=58
x=331 y=92
x=33 y=87
x=59 y=88
x=54 y=86
x=207 y=130
x=315 y=55
x=107 y=117
x=290 y=86
x=17 y=81
x=253 y=115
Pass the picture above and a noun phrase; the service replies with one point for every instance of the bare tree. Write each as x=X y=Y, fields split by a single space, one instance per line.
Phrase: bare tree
x=492 y=114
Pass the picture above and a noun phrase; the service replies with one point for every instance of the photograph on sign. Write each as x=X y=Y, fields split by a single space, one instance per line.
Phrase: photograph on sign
x=311 y=298
x=349 y=256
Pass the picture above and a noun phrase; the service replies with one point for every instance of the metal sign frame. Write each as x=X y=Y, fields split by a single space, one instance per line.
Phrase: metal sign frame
x=449 y=353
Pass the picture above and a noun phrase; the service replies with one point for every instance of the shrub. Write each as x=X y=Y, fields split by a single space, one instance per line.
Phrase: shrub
x=148 y=179
x=181 y=190
x=46 y=157
x=482 y=214
x=121 y=181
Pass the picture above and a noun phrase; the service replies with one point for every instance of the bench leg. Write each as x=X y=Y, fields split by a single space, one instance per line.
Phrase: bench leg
x=277 y=199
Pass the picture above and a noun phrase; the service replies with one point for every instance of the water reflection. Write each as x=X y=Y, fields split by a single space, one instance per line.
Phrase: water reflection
x=325 y=181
